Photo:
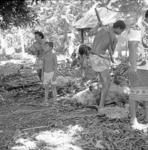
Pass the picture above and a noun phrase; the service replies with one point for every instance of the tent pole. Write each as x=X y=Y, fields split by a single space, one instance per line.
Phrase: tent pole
x=82 y=36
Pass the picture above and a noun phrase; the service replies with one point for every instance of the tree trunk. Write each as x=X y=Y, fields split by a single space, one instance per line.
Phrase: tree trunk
x=22 y=41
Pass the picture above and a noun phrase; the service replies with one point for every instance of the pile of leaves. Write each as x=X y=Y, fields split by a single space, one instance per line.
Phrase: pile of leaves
x=120 y=73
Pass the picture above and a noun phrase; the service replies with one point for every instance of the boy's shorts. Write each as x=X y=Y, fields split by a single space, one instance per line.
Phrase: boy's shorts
x=48 y=78
x=98 y=63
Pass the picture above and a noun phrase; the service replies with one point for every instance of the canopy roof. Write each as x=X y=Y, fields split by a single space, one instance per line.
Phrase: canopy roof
x=89 y=19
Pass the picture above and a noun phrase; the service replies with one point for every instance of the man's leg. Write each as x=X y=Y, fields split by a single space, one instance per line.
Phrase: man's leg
x=46 y=93
x=105 y=79
x=133 y=106
x=146 y=112
x=54 y=92
x=46 y=88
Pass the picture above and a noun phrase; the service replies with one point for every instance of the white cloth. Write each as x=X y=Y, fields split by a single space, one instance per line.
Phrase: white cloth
x=99 y=64
x=134 y=35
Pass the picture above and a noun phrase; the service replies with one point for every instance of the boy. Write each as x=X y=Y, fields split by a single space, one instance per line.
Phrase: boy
x=49 y=70
x=105 y=41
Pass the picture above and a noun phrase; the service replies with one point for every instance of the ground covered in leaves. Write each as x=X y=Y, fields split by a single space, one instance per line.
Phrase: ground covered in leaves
x=25 y=125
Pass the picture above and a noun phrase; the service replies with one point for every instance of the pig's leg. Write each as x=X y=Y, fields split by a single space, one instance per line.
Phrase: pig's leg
x=105 y=79
x=133 y=106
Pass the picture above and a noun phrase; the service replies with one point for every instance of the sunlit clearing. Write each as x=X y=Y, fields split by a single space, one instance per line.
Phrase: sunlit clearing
x=59 y=137
x=56 y=140
x=26 y=144
x=126 y=90
x=138 y=126
x=19 y=59
x=146 y=2
x=61 y=57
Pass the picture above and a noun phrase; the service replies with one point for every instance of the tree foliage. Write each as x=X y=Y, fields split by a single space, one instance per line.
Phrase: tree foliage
x=54 y=18
x=15 y=13
x=21 y=12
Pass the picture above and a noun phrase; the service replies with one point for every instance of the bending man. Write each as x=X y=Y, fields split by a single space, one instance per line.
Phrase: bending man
x=102 y=49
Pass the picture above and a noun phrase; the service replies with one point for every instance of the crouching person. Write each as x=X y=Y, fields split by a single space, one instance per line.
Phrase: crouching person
x=83 y=52
x=49 y=71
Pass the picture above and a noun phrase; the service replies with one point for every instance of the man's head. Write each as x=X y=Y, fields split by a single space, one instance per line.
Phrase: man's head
x=146 y=16
x=48 y=46
x=118 y=27
x=38 y=35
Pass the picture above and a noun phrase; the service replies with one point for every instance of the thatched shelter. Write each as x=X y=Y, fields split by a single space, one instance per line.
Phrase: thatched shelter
x=107 y=16
x=89 y=20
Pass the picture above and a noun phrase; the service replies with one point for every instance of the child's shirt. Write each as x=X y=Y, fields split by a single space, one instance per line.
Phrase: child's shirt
x=49 y=62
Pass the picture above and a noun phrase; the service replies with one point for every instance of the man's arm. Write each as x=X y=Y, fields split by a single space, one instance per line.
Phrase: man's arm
x=112 y=46
x=32 y=49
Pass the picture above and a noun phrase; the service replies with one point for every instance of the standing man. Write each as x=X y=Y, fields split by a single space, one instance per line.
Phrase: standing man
x=138 y=73
x=37 y=50
x=102 y=50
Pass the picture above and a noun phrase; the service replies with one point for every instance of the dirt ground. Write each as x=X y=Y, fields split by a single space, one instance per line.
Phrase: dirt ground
x=25 y=125
x=20 y=121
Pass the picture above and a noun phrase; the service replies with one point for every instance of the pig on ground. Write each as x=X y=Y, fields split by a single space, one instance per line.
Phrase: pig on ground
x=90 y=97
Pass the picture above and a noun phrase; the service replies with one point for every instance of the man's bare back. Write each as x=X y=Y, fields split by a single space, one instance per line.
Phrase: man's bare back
x=103 y=40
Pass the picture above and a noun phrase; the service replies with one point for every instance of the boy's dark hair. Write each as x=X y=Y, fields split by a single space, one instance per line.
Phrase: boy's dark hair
x=146 y=14
x=84 y=49
x=49 y=44
x=40 y=34
x=119 y=24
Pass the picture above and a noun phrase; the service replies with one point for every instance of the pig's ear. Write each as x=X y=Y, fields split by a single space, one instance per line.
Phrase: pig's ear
x=91 y=88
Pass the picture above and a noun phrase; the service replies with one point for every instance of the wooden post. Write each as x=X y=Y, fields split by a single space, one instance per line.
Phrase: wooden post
x=82 y=36
x=22 y=41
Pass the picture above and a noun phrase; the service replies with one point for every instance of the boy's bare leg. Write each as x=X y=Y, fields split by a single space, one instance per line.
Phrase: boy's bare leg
x=46 y=93
x=105 y=79
x=133 y=106
x=54 y=92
